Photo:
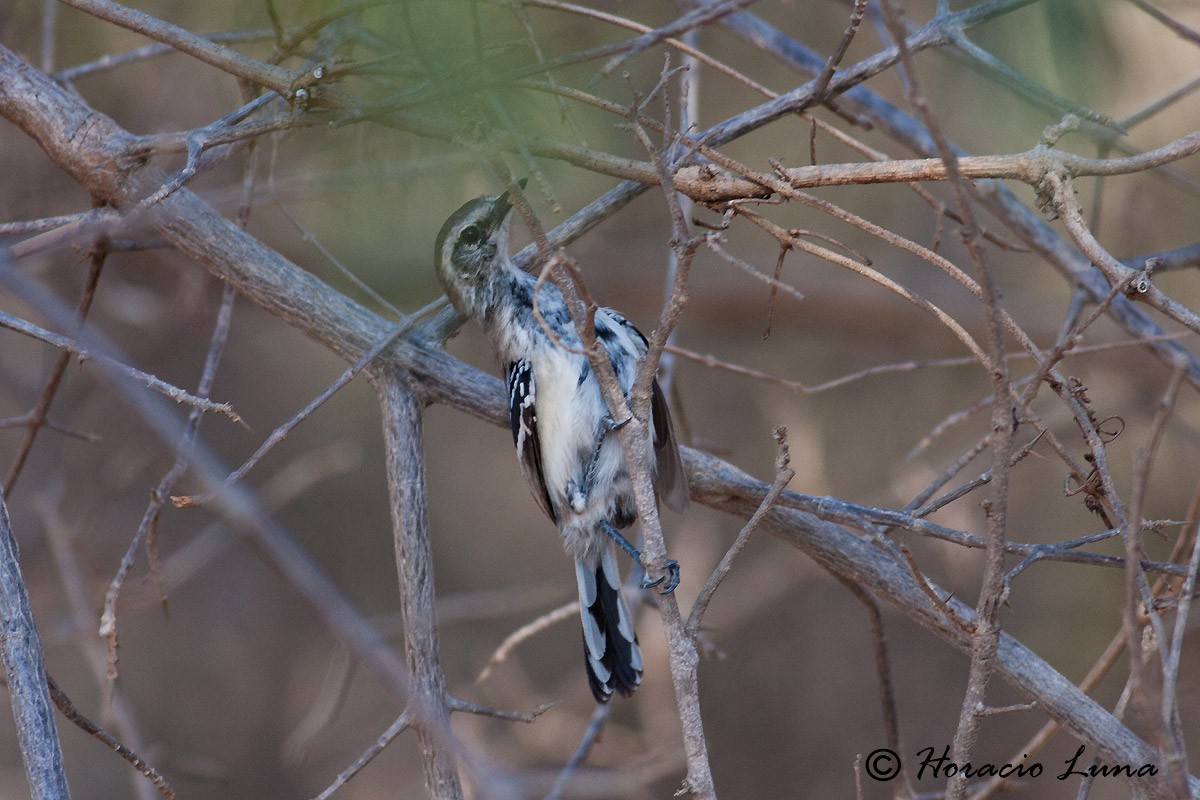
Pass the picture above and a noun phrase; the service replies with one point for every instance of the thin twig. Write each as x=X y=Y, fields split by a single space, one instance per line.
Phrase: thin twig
x=689 y=21
x=1068 y=208
x=711 y=361
x=39 y=415
x=523 y=633
x=401 y=724
x=68 y=710
x=835 y=58
x=774 y=282
x=689 y=120
x=148 y=527
x=457 y=704
x=125 y=740
x=983 y=479
x=1136 y=603
x=590 y=736
x=44 y=224
x=307 y=236
x=110 y=62
x=783 y=476
x=159 y=495
x=634 y=440
x=1105 y=662
x=281 y=432
x=243 y=515
x=1181 y=30
x=883 y=673
x=206 y=50
x=1176 y=755
x=85 y=351
x=928 y=589
x=786 y=237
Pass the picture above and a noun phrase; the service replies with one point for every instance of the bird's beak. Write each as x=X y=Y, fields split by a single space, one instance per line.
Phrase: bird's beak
x=503 y=206
x=500 y=210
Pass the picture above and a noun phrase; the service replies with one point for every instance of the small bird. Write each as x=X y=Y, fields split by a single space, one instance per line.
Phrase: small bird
x=561 y=425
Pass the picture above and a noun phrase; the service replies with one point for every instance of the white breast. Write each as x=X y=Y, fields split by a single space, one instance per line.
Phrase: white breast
x=566 y=426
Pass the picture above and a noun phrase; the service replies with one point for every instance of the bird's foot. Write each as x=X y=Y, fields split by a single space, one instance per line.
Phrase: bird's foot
x=670 y=576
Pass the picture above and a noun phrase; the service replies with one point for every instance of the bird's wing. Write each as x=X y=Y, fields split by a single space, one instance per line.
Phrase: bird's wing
x=522 y=416
x=670 y=481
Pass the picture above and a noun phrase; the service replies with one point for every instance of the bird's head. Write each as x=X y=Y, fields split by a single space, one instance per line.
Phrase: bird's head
x=471 y=245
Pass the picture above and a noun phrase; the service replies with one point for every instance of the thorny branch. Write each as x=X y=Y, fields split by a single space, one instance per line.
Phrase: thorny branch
x=90 y=353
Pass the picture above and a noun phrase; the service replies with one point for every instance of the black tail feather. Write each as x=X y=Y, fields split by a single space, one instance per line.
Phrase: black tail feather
x=622 y=657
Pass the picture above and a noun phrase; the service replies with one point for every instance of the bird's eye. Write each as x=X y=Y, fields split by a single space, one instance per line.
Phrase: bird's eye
x=470 y=235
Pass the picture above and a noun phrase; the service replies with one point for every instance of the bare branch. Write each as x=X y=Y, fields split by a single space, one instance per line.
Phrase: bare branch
x=1000 y=200
x=835 y=58
x=688 y=22
x=1175 y=25
x=68 y=710
x=280 y=433
x=82 y=616
x=21 y=652
x=86 y=350
x=207 y=50
x=713 y=482
x=111 y=62
x=395 y=729
x=783 y=476
x=159 y=495
x=883 y=672
x=1137 y=601
x=594 y=728
x=39 y=414
x=406 y=483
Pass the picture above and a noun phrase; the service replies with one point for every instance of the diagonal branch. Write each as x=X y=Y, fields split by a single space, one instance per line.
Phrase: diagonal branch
x=207 y=50
x=39 y=416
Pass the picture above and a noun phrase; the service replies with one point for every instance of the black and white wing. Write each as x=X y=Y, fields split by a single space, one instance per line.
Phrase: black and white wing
x=619 y=336
x=522 y=416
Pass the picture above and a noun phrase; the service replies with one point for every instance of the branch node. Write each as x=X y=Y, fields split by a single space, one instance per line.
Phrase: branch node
x=1053 y=133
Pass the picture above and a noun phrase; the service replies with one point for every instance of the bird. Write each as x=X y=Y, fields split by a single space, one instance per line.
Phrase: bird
x=561 y=426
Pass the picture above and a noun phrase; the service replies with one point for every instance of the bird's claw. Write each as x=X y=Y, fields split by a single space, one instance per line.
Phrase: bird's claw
x=670 y=575
x=612 y=425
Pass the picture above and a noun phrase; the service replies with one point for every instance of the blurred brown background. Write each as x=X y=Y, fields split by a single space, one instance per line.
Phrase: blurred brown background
x=223 y=687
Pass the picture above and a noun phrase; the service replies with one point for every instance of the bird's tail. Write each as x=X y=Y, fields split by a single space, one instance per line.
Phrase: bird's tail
x=610 y=645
